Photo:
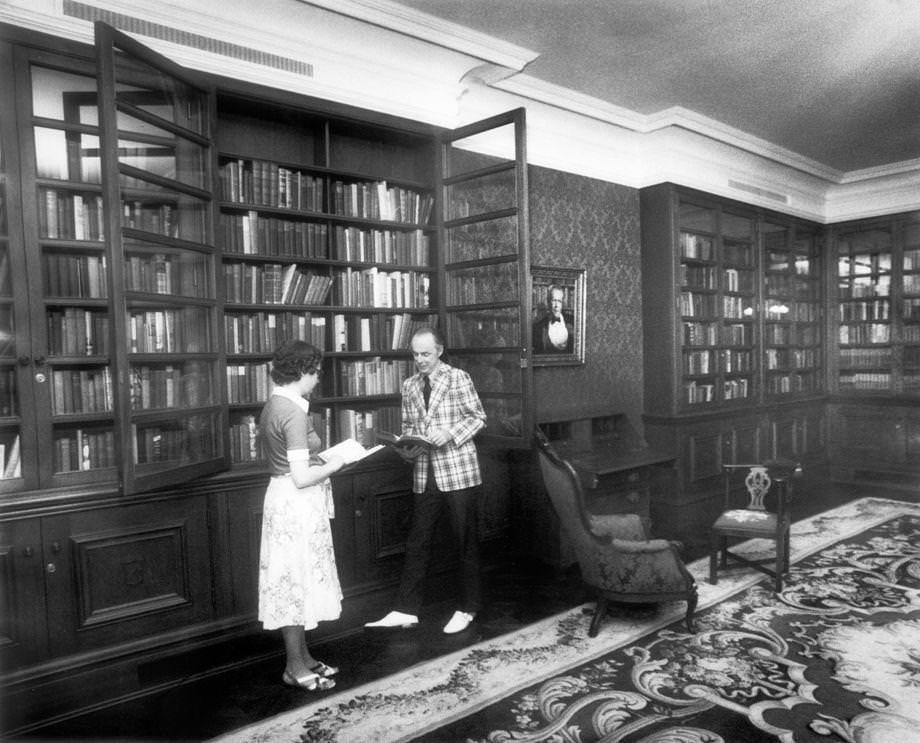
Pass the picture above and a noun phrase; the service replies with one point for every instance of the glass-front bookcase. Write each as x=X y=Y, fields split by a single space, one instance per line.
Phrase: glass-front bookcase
x=878 y=308
x=718 y=293
x=792 y=311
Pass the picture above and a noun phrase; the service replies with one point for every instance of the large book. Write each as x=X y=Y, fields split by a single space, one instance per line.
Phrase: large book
x=350 y=450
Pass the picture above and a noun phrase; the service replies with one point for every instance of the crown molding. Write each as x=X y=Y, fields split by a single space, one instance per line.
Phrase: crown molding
x=417 y=24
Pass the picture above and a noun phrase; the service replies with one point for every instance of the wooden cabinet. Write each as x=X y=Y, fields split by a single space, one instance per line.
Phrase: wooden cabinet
x=875 y=369
x=733 y=314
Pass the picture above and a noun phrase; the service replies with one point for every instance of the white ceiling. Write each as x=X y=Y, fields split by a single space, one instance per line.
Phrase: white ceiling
x=837 y=81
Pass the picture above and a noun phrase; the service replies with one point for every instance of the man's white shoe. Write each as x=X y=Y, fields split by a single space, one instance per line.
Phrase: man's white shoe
x=395 y=619
x=458 y=622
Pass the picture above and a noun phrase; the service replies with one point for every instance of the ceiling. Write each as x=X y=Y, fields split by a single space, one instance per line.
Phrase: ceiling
x=836 y=81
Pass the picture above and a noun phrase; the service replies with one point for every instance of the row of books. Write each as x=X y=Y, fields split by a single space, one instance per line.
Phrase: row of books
x=864 y=357
x=698 y=277
x=372 y=376
x=736 y=308
x=409 y=248
x=269 y=184
x=274 y=283
x=864 y=333
x=377 y=200
x=5 y=286
x=792 y=312
x=191 y=439
x=375 y=332
x=158 y=217
x=170 y=386
x=791 y=358
x=74 y=331
x=83 y=450
x=864 y=381
x=81 y=391
x=784 y=335
x=253 y=234
x=862 y=310
x=248 y=383
x=66 y=215
x=781 y=384
x=698 y=247
x=168 y=331
x=911 y=261
x=698 y=362
x=372 y=287
x=692 y=304
x=738 y=253
x=738 y=281
x=182 y=274
x=477 y=287
x=245 y=447
x=73 y=275
x=736 y=362
x=263 y=332
x=362 y=425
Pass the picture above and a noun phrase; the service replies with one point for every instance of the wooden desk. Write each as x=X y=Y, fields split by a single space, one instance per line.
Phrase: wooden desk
x=618 y=472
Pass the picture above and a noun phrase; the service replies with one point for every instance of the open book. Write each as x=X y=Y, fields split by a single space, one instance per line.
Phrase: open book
x=406 y=441
x=350 y=450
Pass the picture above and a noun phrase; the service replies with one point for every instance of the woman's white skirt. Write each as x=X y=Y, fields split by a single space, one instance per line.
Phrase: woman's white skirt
x=298 y=581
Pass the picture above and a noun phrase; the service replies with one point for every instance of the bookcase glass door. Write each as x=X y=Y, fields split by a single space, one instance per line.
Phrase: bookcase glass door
x=864 y=284
x=486 y=268
x=910 y=309
x=157 y=159
x=717 y=268
x=11 y=434
x=69 y=365
x=791 y=311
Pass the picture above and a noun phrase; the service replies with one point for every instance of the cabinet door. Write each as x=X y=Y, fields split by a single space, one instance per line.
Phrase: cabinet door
x=157 y=156
x=124 y=574
x=382 y=503
x=23 y=638
x=485 y=259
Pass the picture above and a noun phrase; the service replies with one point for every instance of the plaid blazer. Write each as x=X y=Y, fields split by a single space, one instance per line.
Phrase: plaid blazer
x=455 y=406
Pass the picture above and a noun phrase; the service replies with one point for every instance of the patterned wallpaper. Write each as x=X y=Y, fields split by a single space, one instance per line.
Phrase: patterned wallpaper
x=581 y=222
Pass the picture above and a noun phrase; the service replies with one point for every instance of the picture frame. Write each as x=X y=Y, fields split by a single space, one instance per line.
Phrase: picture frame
x=559 y=341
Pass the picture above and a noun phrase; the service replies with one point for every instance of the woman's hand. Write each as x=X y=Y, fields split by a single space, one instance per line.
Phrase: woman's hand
x=335 y=463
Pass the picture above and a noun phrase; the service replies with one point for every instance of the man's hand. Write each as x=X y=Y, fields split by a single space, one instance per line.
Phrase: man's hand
x=438 y=436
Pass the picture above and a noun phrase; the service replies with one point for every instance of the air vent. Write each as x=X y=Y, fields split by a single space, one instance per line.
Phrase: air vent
x=184 y=38
x=772 y=195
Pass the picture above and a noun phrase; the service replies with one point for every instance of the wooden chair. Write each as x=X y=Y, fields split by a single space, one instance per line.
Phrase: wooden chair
x=617 y=559
x=766 y=516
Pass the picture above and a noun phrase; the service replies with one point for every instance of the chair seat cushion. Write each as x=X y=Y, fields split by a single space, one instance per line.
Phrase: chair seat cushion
x=746 y=519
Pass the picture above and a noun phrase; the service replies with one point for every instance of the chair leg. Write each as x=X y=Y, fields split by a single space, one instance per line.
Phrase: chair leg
x=692 y=598
x=599 y=612
x=713 y=560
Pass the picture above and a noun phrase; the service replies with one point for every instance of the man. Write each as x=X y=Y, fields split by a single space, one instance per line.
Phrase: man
x=554 y=332
x=446 y=475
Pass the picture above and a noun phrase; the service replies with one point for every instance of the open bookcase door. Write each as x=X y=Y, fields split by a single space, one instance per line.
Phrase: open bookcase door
x=485 y=268
x=157 y=160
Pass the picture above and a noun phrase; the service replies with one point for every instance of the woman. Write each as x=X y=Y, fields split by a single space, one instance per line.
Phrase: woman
x=298 y=583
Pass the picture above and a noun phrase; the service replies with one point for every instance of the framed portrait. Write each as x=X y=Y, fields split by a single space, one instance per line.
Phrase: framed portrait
x=558 y=322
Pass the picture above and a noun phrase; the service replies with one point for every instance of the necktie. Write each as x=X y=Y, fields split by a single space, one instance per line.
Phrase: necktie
x=426 y=389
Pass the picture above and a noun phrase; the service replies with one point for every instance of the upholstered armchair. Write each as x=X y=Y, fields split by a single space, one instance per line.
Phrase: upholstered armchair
x=617 y=559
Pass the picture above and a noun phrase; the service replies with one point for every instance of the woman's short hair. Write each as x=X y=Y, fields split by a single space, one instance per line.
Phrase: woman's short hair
x=294 y=358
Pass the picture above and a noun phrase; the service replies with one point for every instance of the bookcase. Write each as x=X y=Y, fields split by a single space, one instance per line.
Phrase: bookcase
x=161 y=232
x=733 y=299
x=875 y=291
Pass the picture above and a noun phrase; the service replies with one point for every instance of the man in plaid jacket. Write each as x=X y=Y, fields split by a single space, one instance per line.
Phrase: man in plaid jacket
x=446 y=475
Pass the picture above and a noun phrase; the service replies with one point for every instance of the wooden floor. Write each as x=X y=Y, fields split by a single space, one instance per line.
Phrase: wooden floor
x=518 y=592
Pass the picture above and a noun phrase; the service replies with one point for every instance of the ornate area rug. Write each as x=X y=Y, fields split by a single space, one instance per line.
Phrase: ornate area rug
x=835 y=657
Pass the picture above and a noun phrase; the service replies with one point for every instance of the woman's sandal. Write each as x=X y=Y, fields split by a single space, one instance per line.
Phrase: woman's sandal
x=310 y=681
x=321 y=669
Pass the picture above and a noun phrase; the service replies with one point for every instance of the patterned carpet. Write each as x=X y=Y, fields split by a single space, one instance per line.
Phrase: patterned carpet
x=835 y=657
